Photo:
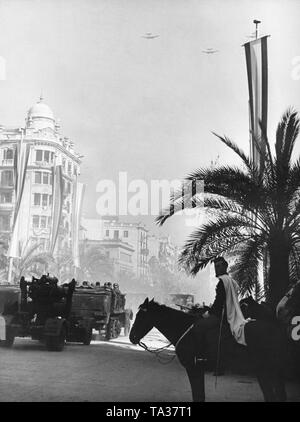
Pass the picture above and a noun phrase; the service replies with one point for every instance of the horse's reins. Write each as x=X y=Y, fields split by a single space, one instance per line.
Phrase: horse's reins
x=158 y=351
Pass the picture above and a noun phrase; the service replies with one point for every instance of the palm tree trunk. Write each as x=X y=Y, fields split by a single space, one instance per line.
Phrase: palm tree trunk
x=279 y=269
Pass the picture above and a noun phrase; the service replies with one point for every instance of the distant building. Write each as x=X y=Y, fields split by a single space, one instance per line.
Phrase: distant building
x=134 y=234
x=120 y=252
x=126 y=242
x=165 y=252
x=42 y=133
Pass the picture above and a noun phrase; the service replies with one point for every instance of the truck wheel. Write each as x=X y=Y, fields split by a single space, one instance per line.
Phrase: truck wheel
x=87 y=338
x=56 y=343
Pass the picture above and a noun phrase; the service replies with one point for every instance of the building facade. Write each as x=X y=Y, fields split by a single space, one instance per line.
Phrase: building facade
x=136 y=235
x=42 y=133
x=120 y=253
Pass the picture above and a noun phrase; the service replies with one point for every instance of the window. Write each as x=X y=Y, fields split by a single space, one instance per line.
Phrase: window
x=126 y=233
x=43 y=223
x=36 y=198
x=7 y=178
x=107 y=233
x=39 y=155
x=8 y=154
x=70 y=168
x=37 y=177
x=116 y=234
x=42 y=177
x=42 y=155
x=44 y=200
x=6 y=198
x=46 y=178
x=4 y=223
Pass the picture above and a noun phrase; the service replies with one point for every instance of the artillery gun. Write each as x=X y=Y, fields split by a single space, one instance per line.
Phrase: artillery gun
x=40 y=311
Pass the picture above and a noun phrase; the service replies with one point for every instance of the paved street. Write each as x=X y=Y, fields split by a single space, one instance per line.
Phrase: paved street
x=109 y=371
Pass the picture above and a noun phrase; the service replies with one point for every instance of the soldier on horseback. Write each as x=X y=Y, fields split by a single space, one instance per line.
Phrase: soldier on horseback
x=224 y=314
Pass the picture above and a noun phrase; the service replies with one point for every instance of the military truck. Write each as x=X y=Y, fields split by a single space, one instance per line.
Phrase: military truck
x=38 y=309
x=103 y=308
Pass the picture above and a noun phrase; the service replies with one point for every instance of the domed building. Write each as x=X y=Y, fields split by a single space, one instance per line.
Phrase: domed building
x=40 y=116
x=48 y=149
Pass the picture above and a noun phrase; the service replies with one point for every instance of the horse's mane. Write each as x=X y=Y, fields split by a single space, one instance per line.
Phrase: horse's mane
x=174 y=312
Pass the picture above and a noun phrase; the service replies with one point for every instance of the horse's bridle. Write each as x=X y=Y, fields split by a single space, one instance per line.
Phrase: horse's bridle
x=158 y=351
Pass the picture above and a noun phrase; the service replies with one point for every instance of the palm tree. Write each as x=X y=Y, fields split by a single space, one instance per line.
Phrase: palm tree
x=95 y=264
x=32 y=261
x=62 y=265
x=251 y=213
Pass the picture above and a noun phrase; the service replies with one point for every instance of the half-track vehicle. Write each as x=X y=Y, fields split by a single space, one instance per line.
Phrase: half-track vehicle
x=104 y=308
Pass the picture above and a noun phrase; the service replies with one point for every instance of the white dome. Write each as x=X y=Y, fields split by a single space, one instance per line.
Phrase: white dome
x=40 y=109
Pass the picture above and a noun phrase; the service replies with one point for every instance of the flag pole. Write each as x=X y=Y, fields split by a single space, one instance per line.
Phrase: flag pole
x=256 y=27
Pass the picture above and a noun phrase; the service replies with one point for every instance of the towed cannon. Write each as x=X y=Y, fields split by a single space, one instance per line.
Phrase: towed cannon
x=39 y=309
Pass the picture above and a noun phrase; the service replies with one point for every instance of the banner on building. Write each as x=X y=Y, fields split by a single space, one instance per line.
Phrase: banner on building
x=78 y=194
x=257 y=72
x=20 y=167
x=57 y=201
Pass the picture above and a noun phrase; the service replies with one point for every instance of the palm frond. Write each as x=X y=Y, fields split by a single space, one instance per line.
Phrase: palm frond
x=286 y=134
x=245 y=269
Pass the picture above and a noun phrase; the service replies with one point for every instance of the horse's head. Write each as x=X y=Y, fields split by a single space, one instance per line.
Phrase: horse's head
x=143 y=322
x=252 y=309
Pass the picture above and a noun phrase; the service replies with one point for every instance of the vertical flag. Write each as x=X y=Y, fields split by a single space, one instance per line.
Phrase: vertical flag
x=57 y=201
x=20 y=167
x=78 y=194
x=257 y=71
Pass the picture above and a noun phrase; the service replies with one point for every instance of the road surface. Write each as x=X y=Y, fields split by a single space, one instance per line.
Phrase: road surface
x=114 y=371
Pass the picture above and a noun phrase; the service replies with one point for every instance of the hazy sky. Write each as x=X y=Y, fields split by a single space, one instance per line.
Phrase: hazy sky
x=144 y=106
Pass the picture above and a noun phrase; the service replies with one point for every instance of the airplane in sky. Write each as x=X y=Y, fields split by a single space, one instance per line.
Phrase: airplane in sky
x=149 y=36
x=209 y=51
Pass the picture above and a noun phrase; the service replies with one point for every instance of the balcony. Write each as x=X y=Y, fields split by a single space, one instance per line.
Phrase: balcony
x=43 y=164
x=6 y=185
x=7 y=162
x=6 y=206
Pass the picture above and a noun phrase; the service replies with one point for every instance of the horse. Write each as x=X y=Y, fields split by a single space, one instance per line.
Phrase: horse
x=287 y=308
x=262 y=338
